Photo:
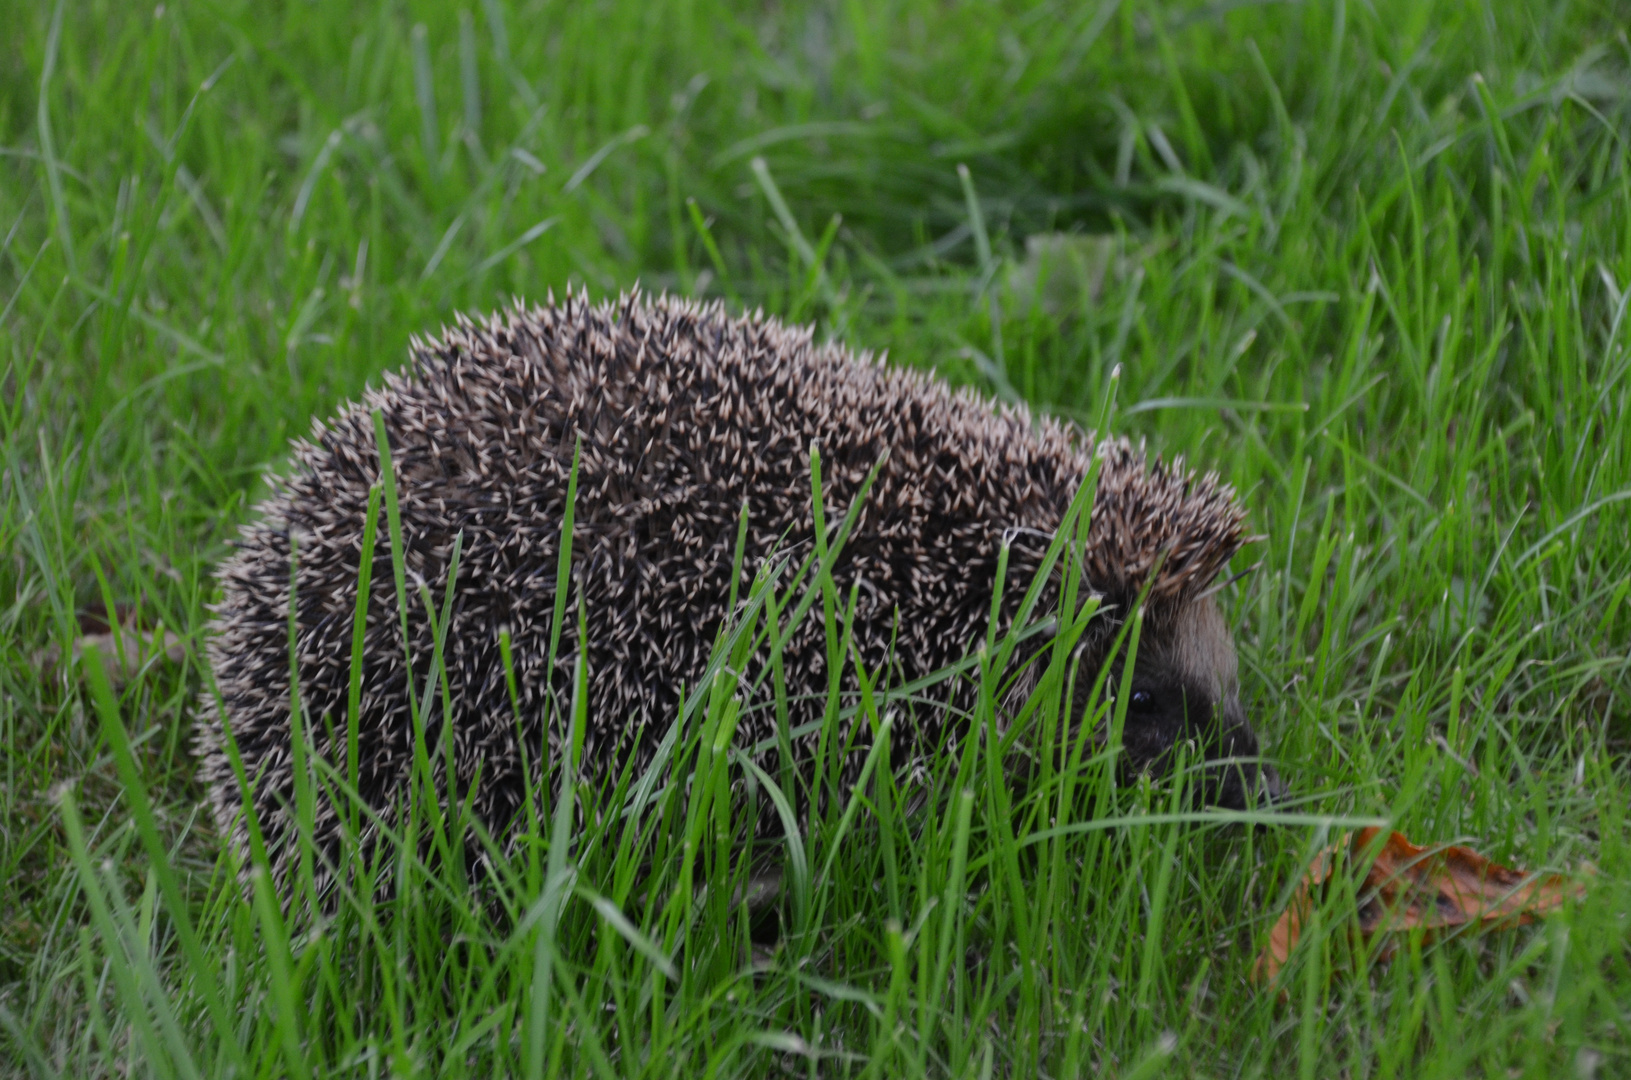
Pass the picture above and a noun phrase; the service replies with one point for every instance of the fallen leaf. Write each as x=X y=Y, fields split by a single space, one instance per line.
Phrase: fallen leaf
x=1406 y=887
x=140 y=646
x=95 y=618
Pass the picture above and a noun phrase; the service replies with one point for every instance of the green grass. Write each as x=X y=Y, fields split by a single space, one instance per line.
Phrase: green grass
x=1370 y=261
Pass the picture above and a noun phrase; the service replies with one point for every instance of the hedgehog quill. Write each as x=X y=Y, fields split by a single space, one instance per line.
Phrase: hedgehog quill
x=682 y=415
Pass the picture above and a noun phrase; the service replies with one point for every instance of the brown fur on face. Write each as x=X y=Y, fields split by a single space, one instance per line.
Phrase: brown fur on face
x=1186 y=689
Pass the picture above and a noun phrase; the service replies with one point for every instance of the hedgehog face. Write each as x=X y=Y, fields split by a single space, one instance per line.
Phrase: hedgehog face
x=1185 y=689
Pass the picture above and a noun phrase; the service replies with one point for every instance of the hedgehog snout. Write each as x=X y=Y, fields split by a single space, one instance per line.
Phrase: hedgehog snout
x=1240 y=781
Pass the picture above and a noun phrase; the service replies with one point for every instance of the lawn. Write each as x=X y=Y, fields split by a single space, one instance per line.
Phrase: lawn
x=1371 y=262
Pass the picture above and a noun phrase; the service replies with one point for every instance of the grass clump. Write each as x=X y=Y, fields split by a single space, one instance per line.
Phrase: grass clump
x=1372 y=262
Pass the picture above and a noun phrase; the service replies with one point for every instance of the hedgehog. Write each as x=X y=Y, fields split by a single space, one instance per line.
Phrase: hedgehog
x=678 y=419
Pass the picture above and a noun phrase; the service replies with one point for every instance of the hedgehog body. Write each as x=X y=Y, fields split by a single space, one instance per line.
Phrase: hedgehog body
x=681 y=415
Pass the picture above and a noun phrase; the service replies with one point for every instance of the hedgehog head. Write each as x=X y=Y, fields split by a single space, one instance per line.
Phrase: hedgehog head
x=1158 y=538
x=1184 y=690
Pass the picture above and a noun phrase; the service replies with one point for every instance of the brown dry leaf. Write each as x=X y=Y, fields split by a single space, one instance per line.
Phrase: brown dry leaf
x=139 y=647
x=1408 y=886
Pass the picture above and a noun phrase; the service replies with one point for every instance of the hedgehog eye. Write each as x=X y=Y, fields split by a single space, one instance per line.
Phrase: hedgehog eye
x=1141 y=702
